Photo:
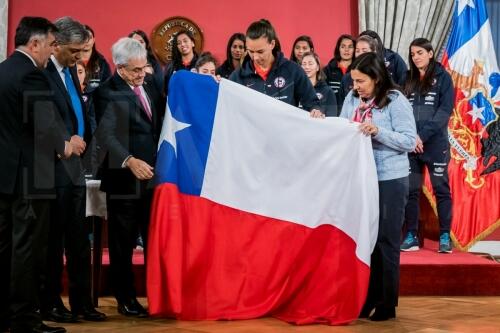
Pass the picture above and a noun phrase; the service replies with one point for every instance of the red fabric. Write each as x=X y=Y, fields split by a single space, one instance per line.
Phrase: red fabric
x=261 y=72
x=208 y=262
x=343 y=69
x=475 y=197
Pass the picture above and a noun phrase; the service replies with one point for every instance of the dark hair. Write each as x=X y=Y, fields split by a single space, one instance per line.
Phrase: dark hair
x=320 y=75
x=264 y=28
x=144 y=38
x=30 y=26
x=86 y=80
x=176 y=54
x=204 y=58
x=302 y=38
x=374 y=45
x=93 y=67
x=336 y=52
x=413 y=81
x=371 y=65
x=235 y=36
x=375 y=36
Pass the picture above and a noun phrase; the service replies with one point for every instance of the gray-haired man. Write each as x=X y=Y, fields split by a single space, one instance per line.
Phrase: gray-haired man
x=68 y=232
x=129 y=108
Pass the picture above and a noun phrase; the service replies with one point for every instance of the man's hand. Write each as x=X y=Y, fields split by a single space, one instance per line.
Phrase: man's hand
x=140 y=169
x=78 y=145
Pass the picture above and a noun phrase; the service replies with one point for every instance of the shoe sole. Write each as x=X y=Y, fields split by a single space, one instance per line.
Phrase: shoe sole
x=441 y=251
x=411 y=249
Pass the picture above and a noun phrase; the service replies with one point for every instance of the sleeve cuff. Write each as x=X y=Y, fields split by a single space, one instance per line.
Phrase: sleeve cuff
x=124 y=164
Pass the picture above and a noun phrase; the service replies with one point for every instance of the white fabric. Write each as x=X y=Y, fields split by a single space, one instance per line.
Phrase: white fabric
x=4 y=14
x=479 y=48
x=269 y=158
x=59 y=69
x=96 y=200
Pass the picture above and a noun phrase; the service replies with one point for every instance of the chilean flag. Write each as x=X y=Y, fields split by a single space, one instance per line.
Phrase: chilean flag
x=474 y=179
x=259 y=210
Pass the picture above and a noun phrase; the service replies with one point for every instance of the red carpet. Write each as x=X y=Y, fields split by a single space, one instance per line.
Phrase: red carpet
x=428 y=273
x=423 y=273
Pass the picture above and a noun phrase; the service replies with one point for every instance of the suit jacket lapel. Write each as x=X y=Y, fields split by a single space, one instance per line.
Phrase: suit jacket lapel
x=151 y=96
x=57 y=79
x=123 y=86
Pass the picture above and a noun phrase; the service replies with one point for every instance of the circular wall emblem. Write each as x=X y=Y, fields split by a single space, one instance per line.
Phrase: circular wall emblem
x=163 y=33
x=279 y=82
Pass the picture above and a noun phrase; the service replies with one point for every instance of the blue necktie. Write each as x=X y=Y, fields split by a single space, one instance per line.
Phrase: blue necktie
x=75 y=100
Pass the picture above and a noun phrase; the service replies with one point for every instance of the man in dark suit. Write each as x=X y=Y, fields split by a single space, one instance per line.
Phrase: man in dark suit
x=129 y=110
x=31 y=136
x=68 y=234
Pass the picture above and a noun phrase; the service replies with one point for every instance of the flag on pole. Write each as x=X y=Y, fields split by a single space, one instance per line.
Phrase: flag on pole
x=473 y=130
x=259 y=210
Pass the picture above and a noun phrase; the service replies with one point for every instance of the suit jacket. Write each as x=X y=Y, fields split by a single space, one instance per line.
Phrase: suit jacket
x=30 y=134
x=70 y=171
x=124 y=129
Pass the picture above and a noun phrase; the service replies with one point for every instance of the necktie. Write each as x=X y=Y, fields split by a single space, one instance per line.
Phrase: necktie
x=145 y=105
x=75 y=101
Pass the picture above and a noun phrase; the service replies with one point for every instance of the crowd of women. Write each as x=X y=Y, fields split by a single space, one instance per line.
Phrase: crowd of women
x=405 y=111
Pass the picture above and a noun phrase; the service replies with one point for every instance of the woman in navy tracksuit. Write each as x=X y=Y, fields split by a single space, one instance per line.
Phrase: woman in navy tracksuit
x=338 y=67
x=312 y=66
x=429 y=89
x=184 y=55
x=266 y=70
x=363 y=44
x=235 y=52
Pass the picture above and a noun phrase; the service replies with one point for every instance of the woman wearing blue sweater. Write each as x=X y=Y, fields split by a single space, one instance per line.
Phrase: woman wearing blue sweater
x=386 y=115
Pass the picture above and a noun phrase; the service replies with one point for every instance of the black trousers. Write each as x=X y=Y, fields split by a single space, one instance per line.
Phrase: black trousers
x=23 y=240
x=384 y=269
x=126 y=218
x=437 y=164
x=69 y=237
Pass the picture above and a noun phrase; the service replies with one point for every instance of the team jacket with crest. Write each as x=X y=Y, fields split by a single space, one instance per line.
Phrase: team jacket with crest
x=432 y=110
x=334 y=77
x=327 y=99
x=286 y=82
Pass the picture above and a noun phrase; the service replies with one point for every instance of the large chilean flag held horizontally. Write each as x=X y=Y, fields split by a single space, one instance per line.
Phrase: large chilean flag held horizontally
x=260 y=210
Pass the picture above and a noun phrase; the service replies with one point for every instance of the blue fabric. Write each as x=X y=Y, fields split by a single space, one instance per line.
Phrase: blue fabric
x=466 y=25
x=192 y=99
x=75 y=101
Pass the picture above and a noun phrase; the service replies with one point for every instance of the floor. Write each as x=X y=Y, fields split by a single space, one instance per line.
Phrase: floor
x=414 y=314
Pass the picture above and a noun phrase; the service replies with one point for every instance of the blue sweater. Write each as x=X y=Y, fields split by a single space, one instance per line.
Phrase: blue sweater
x=396 y=134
